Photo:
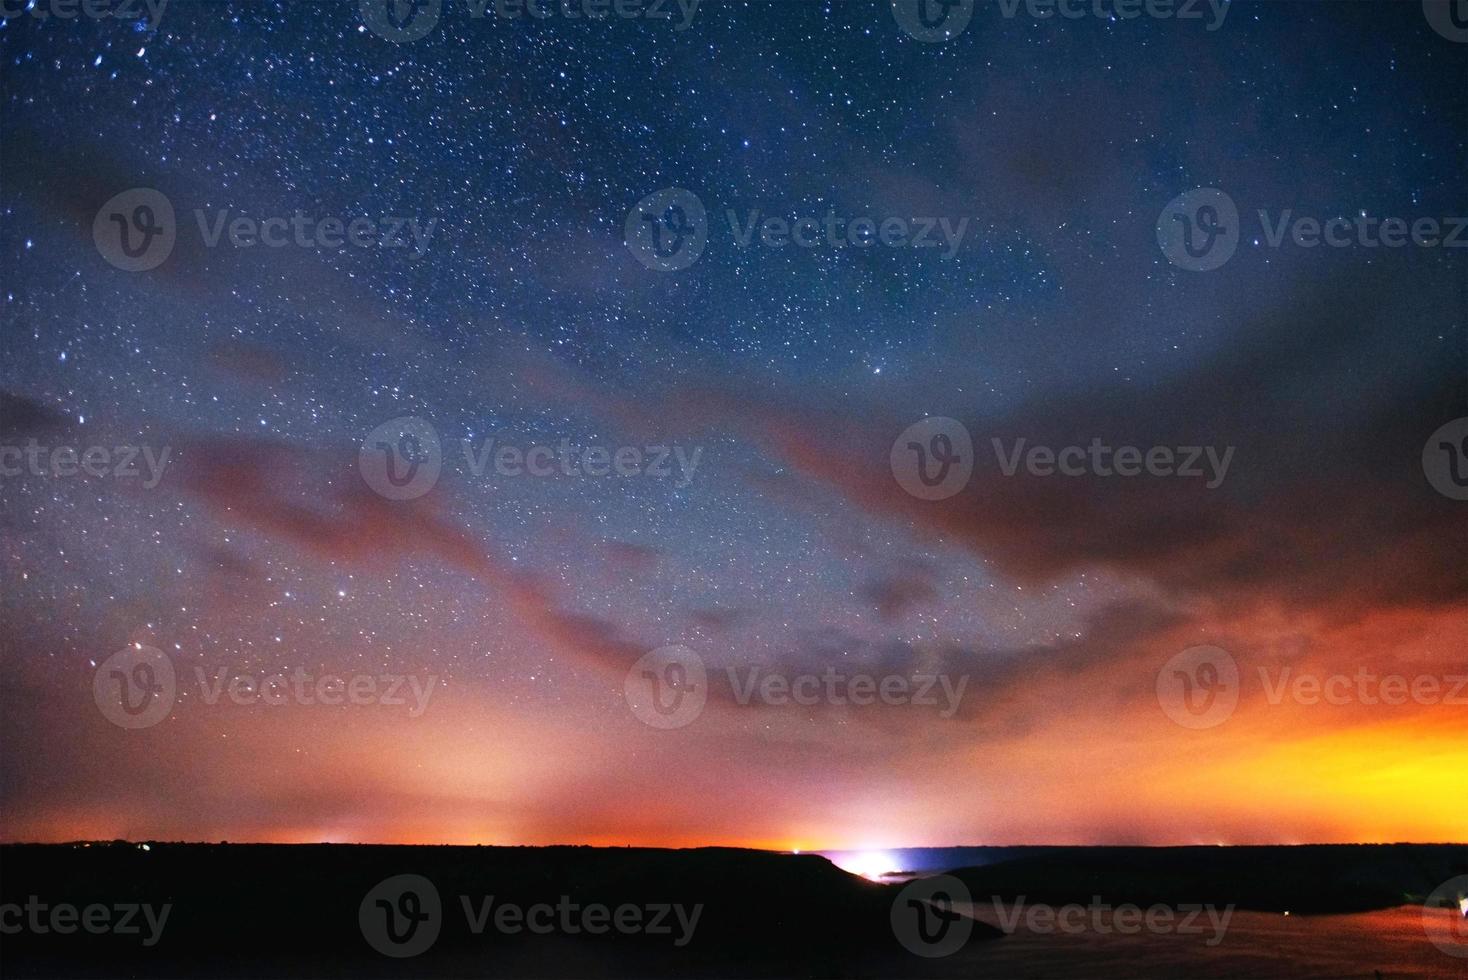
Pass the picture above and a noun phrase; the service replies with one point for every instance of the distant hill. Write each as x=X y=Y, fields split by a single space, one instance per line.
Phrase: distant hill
x=1315 y=878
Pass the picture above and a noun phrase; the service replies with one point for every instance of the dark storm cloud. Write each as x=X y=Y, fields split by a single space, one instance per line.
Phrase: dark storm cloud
x=717 y=619
x=1326 y=404
x=894 y=594
x=22 y=417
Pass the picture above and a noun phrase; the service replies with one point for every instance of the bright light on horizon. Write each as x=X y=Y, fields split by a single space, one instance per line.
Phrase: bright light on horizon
x=872 y=865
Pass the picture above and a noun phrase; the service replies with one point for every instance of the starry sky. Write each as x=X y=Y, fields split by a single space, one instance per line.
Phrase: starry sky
x=527 y=318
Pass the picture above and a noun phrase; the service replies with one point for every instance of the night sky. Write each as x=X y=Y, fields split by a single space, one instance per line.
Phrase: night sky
x=519 y=148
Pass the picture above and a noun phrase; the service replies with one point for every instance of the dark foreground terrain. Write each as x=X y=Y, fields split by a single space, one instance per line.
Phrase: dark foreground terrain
x=265 y=910
x=335 y=910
